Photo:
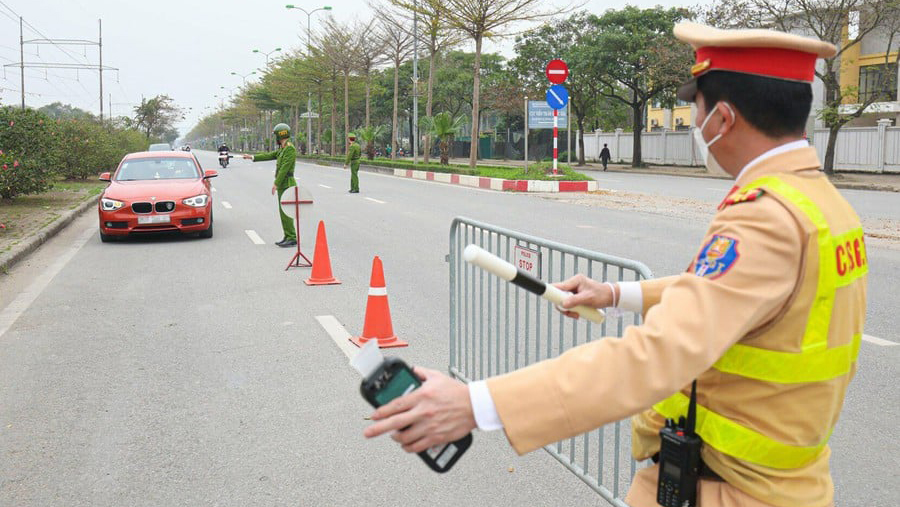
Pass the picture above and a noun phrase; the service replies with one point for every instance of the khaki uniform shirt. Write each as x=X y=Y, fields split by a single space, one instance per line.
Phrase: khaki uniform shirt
x=762 y=299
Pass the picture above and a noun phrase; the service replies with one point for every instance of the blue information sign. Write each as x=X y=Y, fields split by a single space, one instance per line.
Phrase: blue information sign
x=557 y=96
x=540 y=116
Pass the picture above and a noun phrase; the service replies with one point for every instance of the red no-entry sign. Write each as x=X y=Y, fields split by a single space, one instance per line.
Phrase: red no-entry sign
x=557 y=71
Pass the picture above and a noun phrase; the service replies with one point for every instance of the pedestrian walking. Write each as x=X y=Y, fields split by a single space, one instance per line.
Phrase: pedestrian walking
x=766 y=322
x=353 y=154
x=605 y=156
x=286 y=156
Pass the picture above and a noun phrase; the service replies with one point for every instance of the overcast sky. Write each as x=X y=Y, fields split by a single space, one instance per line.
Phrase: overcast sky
x=186 y=49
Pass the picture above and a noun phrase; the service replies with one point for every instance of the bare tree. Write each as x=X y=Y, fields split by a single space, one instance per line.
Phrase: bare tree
x=831 y=21
x=438 y=37
x=397 y=37
x=369 y=52
x=337 y=43
x=480 y=19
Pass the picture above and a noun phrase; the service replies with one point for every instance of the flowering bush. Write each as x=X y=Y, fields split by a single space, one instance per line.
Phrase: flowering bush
x=35 y=149
x=19 y=178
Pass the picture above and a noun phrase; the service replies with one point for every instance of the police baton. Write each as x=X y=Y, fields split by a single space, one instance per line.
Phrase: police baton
x=489 y=262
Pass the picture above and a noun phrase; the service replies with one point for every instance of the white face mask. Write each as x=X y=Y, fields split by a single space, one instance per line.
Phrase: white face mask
x=709 y=160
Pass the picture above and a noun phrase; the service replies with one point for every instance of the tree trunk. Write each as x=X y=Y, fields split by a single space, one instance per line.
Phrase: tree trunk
x=410 y=121
x=346 y=107
x=333 y=150
x=580 y=140
x=394 y=124
x=428 y=104
x=476 y=92
x=368 y=96
x=319 y=122
x=638 y=128
x=828 y=163
x=445 y=152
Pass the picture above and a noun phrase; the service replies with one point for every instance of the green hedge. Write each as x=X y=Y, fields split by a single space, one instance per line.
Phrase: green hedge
x=36 y=149
x=536 y=171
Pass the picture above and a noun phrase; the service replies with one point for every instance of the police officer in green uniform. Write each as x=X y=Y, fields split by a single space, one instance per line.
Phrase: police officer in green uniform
x=353 y=154
x=286 y=155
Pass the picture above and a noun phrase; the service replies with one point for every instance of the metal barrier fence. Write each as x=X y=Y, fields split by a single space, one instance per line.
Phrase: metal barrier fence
x=496 y=327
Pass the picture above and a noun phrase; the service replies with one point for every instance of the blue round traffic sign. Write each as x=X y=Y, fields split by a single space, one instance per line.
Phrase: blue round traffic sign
x=557 y=97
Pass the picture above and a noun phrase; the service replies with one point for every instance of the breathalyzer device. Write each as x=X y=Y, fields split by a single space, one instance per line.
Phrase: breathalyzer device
x=392 y=378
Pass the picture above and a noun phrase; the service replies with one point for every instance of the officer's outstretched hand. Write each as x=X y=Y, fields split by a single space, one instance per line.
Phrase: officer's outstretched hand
x=587 y=292
x=438 y=412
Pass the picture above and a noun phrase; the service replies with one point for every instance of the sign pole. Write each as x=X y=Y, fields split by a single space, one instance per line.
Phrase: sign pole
x=555 y=137
x=569 y=134
x=526 y=134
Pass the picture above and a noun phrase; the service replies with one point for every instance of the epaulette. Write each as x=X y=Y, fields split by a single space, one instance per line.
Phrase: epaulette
x=742 y=196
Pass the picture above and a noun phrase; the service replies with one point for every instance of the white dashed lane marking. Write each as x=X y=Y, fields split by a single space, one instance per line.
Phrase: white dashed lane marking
x=879 y=341
x=226 y=204
x=337 y=333
x=254 y=237
x=324 y=186
x=585 y=226
x=375 y=200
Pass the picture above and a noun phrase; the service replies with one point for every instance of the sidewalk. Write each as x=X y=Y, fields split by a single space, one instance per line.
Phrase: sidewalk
x=887 y=182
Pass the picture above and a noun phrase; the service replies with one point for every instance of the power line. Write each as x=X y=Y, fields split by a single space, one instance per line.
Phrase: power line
x=35 y=30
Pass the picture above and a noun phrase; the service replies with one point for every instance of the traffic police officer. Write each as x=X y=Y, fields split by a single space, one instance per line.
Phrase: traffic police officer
x=353 y=154
x=286 y=155
x=767 y=318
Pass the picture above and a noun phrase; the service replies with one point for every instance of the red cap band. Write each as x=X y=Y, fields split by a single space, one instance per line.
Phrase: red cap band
x=767 y=62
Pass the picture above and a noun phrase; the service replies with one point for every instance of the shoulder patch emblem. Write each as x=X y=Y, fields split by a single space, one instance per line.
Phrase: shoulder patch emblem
x=716 y=257
x=742 y=196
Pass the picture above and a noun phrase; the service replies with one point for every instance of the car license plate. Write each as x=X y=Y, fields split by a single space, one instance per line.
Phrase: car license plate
x=154 y=219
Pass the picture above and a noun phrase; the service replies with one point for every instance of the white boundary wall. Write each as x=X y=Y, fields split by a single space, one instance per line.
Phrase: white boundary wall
x=864 y=149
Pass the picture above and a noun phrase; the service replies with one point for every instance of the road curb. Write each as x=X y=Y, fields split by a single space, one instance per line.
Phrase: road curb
x=21 y=250
x=498 y=184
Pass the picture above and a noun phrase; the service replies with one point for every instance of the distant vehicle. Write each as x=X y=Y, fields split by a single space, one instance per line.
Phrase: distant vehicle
x=152 y=192
x=186 y=148
x=160 y=147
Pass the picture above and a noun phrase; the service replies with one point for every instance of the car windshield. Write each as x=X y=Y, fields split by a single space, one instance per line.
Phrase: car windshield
x=162 y=168
x=160 y=147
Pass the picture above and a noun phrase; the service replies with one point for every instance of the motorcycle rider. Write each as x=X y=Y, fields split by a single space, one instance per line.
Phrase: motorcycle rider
x=223 y=151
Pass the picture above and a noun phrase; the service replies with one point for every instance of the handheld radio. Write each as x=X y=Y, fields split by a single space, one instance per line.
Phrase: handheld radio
x=679 y=459
x=392 y=379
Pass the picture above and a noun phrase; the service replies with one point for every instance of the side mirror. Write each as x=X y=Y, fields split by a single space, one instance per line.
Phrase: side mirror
x=104 y=176
x=209 y=173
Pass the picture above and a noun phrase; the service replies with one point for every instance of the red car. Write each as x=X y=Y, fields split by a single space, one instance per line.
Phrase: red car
x=156 y=192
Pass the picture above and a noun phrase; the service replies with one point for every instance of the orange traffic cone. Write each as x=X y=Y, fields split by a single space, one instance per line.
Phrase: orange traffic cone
x=378 y=314
x=321 y=265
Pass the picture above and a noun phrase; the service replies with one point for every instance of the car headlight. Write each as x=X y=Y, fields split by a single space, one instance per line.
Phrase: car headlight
x=198 y=201
x=110 y=204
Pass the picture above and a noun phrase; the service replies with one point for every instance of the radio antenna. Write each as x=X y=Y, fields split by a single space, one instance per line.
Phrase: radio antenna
x=692 y=411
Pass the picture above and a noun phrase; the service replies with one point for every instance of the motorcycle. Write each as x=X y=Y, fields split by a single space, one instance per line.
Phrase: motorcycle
x=224 y=157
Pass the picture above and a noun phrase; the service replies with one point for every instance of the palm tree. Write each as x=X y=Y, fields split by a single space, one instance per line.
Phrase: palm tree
x=443 y=126
x=371 y=134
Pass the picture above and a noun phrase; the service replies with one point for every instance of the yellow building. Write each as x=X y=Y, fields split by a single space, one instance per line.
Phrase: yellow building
x=676 y=118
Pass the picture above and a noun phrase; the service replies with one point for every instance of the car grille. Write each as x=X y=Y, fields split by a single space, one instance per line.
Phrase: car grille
x=141 y=207
x=165 y=206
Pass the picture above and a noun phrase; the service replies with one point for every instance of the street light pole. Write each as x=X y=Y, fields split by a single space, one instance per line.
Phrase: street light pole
x=267 y=54
x=308 y=53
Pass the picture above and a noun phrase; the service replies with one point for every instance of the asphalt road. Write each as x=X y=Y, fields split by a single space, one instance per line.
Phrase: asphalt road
x=184 y=371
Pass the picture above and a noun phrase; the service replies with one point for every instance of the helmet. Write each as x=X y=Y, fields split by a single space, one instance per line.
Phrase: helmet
x=281 y=131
